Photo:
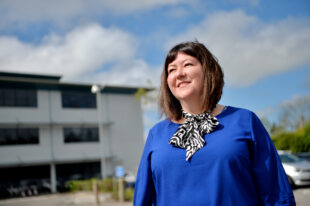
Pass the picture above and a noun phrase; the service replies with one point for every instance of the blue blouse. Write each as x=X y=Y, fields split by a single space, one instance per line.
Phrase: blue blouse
x=239 y=165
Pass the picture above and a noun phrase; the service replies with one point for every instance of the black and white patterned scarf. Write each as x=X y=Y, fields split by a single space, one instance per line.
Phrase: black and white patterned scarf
x=190 y=134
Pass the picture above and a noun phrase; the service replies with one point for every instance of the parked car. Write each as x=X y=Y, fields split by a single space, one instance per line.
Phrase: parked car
x=297 y=169
x=130 y=179
x=305 y=155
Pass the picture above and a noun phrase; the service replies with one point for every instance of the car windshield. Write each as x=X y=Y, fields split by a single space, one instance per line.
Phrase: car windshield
x=289 y=158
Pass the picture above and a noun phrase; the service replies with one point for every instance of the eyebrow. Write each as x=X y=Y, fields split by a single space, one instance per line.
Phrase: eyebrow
x=171 y=65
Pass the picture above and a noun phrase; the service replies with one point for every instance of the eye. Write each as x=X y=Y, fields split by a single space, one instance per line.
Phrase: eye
x=171 y=70
x=188 y=64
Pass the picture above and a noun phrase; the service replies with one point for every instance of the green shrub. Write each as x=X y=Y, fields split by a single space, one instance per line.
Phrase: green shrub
x=79 y=185
x=283 y=141
x=104 y=186
x=129 y=192
x=298 y=141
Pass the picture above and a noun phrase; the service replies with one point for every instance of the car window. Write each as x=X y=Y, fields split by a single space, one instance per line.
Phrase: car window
x=289 y=158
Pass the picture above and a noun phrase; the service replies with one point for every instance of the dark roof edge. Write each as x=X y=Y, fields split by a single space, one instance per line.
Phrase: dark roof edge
x=4 y=74
x=54 y=83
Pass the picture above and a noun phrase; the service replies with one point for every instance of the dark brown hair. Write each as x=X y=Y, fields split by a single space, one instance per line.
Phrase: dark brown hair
x=213 y=79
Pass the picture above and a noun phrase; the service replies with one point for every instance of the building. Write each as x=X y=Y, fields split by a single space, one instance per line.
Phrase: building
x=52 y=131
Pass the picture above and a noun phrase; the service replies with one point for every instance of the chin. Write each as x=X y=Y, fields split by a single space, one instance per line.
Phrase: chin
x=187 y=95
x=183 y=97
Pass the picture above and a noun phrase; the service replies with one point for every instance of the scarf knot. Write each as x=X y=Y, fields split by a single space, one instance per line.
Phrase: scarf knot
x=190 y=134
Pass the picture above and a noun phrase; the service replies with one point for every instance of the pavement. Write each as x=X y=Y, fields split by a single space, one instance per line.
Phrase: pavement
x=64 y=199
x=302 y=196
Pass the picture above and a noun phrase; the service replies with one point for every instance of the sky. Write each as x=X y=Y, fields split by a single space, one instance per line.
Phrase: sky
x=263 y=46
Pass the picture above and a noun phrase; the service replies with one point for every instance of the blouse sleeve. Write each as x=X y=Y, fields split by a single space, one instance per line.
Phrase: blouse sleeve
x=144 y=189
x=269 y=176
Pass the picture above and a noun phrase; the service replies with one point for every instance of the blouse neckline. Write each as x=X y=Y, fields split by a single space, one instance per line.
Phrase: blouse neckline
x=224 y=110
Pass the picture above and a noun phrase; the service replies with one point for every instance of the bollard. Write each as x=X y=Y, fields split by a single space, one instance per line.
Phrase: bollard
x=121 y=189
x=95 y=190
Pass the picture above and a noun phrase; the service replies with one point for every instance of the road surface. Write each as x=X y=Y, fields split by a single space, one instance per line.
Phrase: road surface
x=302 y=196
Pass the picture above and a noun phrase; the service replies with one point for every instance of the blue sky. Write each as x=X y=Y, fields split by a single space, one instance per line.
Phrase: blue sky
x=263 y=46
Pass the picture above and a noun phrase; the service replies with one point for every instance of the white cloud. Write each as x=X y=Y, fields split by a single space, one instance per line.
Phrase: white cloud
x=249 y=49
x=16 y=13
x=134 y=72
x=80 y=55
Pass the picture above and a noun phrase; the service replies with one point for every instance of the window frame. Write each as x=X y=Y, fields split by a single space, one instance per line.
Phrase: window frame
x=19 y=136
x=18 y=97
x=83 y=132
x=78 y=99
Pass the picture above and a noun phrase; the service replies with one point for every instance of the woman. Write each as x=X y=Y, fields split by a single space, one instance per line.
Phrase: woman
x=205 y=153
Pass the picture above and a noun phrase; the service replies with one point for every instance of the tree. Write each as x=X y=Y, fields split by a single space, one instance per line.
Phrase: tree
x=295 y=114
x=146 y=95
x=272 y=127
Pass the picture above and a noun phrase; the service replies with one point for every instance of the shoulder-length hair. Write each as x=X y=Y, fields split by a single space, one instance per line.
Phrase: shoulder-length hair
x=213 y=79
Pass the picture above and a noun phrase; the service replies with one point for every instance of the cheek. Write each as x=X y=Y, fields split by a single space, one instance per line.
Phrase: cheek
x=200 y=77
x=170 y=81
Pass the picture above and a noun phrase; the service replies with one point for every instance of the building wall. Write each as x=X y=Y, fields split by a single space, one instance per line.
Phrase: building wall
x=123 y=131
x=19 y=155
x=77 y=116
x=29 y=115
x=126 y=129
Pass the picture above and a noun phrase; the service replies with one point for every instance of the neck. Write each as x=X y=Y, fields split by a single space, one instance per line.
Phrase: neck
x=192 y=107
x=217 y=110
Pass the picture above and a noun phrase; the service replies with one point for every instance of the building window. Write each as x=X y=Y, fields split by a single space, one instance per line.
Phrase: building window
x=81 y=135
x=17 y=97
x=19 y=136
x=77 y=99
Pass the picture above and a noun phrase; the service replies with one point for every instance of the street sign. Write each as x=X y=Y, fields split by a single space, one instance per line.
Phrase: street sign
x=119 y=171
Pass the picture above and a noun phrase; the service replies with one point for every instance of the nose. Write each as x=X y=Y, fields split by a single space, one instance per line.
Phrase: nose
x=180 y=73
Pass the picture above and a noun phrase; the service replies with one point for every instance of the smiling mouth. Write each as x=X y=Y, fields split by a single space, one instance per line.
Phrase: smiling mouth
x=182 y=84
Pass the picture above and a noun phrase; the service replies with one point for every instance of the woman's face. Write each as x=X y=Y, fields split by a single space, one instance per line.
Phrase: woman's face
x=185 y=77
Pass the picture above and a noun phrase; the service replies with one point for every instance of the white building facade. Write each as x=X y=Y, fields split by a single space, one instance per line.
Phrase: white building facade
x=55 y=131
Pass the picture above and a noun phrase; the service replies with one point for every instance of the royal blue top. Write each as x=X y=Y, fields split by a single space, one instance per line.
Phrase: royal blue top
x=239 y=165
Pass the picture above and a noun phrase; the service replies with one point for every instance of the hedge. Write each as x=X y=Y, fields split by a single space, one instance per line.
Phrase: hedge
x=104 y=186
x=297 y=141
